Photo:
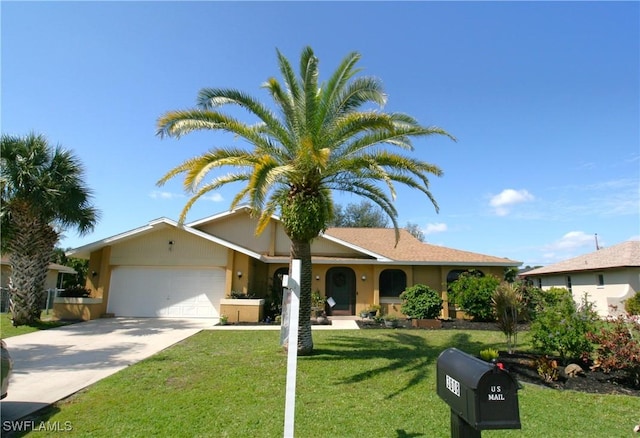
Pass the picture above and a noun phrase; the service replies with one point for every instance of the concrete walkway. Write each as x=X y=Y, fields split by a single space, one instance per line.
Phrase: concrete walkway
x=50 y=365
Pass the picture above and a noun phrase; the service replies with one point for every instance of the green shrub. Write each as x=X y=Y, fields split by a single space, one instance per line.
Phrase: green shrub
x=553 y=296
x=562 y=327
x=421 y=302
x=507 y=305
x=473 y=294
x=489 y=354
x=317 y=300
x=632 y=305
x=532 y=297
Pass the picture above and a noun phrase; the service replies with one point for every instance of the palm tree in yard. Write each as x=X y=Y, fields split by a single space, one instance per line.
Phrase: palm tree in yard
x=317 y=139
x=43 y=194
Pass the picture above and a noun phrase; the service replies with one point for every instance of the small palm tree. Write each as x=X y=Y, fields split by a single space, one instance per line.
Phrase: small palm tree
x=43 y=194
x=319 y=140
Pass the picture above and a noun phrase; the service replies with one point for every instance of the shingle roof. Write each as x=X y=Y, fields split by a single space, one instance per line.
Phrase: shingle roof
x=409 y=249
x=625 y=254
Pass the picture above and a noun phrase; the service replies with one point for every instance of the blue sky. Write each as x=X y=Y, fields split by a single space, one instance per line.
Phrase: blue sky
x=543 y=98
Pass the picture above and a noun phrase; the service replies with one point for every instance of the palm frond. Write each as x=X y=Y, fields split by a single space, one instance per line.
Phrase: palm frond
x=319 y=138
x=337 y=82
x=213 y=185
x=289 y=76
x=356 y=93
x=286 y=104
x=211 y=98
x=309 y=76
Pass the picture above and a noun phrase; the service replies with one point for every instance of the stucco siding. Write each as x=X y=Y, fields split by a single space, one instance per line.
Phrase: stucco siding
x=619 y=285
x=240 y=229
x=51 y=281
x=168 y=247
x=429 y=275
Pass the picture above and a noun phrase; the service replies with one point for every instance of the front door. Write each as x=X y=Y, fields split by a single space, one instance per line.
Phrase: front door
x=341 y=286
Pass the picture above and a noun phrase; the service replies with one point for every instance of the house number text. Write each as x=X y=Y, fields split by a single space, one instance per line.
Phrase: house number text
x=453 y=385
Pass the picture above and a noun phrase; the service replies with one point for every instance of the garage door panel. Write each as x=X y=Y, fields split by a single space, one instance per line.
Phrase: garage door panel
x=166 y=292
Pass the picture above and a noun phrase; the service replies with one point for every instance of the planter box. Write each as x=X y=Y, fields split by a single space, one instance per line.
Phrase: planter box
x=78 y=308
x=241 y=310
x=426 y=323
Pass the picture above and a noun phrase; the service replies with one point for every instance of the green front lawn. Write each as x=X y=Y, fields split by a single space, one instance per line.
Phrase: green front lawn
x=7 y=330
x=366 y=383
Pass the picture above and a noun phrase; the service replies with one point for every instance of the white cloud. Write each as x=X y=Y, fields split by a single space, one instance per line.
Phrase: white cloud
x=156 y=194
x=572 y=240
x=570 y=245
x=214 y=197
x=508 y=197
x=435 y=228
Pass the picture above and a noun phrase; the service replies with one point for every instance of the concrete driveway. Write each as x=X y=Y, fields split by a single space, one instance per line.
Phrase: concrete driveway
x=50 y=365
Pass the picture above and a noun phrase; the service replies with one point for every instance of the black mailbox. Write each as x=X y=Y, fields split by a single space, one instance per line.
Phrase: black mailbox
x=482 y=394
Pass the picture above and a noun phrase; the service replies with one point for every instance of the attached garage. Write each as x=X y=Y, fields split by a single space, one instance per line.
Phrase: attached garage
x=169 y=292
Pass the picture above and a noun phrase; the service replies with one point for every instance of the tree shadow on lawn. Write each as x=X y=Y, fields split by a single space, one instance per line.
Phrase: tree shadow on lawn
x=406 y=352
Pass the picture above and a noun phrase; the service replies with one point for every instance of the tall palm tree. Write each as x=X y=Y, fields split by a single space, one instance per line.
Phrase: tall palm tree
x=320 y=138
x=43 y=194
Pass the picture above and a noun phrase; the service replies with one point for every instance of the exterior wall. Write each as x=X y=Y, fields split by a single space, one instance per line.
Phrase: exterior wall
x=242 y=310
x=78 y=308
x=240 y=229
x=258 y=278
x=368 y=288
x=154 y=249
x=619 y=285
x=240 y=265
x=52 y=280
x=98 y=279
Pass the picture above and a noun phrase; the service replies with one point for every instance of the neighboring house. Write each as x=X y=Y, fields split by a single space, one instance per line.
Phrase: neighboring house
x=608 y=276
x=53 y=275
x=164 y=269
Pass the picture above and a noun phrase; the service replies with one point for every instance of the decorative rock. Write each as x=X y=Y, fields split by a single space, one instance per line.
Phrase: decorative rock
x=573 y=370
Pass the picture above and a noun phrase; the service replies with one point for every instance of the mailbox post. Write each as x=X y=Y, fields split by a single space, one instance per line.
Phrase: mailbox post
x=481 y=395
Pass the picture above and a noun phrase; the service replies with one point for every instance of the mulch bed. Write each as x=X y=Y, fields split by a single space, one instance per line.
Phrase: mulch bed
x=524 y=367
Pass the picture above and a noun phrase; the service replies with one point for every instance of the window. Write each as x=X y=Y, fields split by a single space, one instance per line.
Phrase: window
x=568 y=281
x=539 y=283
x=392 y=282
x=600 y=280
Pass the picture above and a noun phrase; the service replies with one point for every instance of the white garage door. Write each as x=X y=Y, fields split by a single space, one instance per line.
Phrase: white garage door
x=166 y=292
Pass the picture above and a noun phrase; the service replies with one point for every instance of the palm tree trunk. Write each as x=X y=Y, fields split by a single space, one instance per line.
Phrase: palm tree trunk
x=301 y=250
x=30 y=253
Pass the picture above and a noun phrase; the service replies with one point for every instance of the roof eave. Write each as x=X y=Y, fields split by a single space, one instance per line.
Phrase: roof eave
x=568 y=271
